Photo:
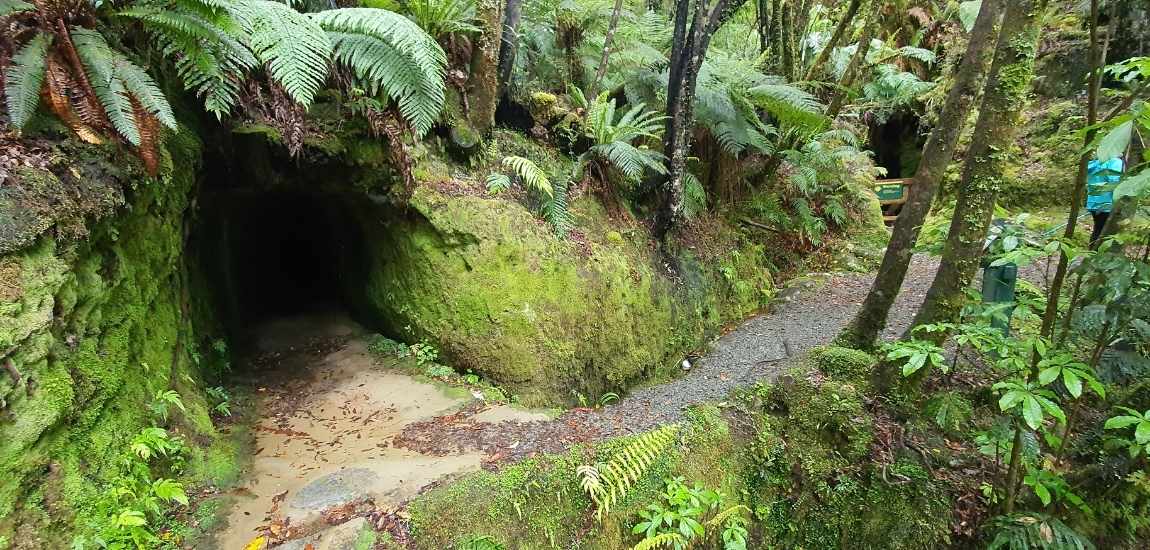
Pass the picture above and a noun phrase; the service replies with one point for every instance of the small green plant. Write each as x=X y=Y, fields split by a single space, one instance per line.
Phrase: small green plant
x=680 y=519
x=1141 y=424
x=608 y=482
x=223 y=401
x=424 y=352
x=608 y=398
x=436 y=370
x=162 y=403
x=1031 y=530
x=915 y=355
x=482 y=542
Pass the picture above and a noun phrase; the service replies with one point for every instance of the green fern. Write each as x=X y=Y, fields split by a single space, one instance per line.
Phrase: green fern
x=790 y=105
x=117 y=82
x=1028 y=531
x=529 y=174
x=8 y=7
x=498 y=183
x=389 y=52
x=206 y=44
x=674 y=540
x=440 y=18
x=694 y=196
x=556 y=211
x=607 y=483
x=480 y=543
x=23 y=79
x=727 y=514
x=292 y=46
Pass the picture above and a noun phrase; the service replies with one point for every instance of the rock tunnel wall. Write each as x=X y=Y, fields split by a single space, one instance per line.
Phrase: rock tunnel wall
x=95 y=317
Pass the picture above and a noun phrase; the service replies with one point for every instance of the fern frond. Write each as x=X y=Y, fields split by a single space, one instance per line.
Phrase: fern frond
x=292 y=45
x=556 y=211
x=497 y=183
x=660 y=541
x=58 y=82
x=392 y=54
x=694 y=196
x=24 y=79
x=726 y=514
x=205 y=43
x=116 y=81
x=1029 y=531
x=8 y=7
x=529 y=174
x=790 y=105
x=608 y=483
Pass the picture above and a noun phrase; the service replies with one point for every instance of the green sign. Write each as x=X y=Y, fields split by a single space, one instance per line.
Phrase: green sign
x=889 y=191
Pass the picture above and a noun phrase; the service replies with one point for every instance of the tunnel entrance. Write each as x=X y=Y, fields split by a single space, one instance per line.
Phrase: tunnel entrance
x=290 y=252
x=897 y=144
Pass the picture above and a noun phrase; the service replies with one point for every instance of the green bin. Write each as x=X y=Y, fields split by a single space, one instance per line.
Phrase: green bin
x=998 y=284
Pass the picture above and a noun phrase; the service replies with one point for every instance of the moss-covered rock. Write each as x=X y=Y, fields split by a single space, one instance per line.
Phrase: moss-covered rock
x=95 y=327
x=539 y=504
x=817 y=480
x=504 y=297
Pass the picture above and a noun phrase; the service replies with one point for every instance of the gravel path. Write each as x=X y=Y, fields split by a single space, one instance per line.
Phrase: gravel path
x=809 y=312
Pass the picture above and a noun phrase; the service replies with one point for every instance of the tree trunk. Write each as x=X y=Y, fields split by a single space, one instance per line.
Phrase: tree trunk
x=762 y=8
x=840 y=31
x=1004 y=96
x=1096 y=60
x=509 y=45
x=688 y=49
x=858 y=60
x=786 y=31
x=484 y=78
x=611 y=27
x=936 y=157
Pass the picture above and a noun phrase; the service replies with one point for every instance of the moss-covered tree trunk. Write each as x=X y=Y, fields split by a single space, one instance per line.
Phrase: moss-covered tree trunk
x=786 y=41
x=484 y=80
x=855 y=65
x=1004 y=97
x=688 y=49
x=840 y=31
x=607 y=40
x=513 y=14
x=936 y=157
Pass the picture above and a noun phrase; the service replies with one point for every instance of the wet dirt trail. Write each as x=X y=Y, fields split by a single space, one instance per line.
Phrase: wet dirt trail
x=324 y=454
x=342 y=439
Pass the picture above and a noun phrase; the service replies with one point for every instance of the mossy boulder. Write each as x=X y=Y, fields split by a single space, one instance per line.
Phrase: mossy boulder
x=491 y=283
x=95 y=327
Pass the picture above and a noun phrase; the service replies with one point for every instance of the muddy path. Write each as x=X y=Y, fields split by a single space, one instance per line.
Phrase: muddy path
x=327 y=415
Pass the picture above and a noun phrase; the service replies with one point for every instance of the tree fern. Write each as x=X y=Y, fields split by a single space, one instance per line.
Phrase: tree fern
x=292 y=46
x=440 y=18
x=790 y=105
x=206 y=44
x=391 y=53
x=117 y=82
x=607 y=483
x=24 y=78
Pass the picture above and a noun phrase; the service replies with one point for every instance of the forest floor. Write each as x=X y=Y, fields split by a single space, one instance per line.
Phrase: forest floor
x=336 y=428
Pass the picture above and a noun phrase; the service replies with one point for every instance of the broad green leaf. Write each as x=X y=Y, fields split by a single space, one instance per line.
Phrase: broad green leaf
x=1048 y=375
x=1142 y=433
x=1119 y=422
x=1010 y=399
x=968 y=13
x=131 y=518
x=1042 y=492
x=1031 y=412
x=1114 y=143
x=1072 y=382
x=1133 y=186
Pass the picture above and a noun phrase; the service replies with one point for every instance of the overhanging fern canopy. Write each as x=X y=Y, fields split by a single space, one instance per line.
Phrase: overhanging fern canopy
x=388 y=52
x=294 y=48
